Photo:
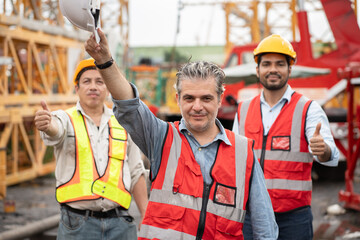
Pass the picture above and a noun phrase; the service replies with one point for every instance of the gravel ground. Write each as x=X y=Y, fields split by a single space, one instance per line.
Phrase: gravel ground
x=35 y=200
x=329 y=226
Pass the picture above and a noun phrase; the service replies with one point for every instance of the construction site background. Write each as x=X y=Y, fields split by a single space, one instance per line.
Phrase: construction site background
x=39 y=50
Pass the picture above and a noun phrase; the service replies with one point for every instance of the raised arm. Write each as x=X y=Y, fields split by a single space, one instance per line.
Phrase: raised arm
x=115 y=81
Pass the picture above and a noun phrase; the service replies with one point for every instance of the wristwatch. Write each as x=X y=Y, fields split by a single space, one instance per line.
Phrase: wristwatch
x=104 y=65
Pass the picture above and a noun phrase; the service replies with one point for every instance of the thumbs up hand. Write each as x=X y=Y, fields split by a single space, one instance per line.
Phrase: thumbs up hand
x=318 y=146
x=45 y=106
x=43 y=120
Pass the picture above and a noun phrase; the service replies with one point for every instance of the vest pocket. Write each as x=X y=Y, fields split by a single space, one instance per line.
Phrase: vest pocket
x=253 y=129
x=117 y=149
x=118 y=133
x=166 y=217
x=224 y=195
x=282 y=143
x=188 y=179
x=226 y=229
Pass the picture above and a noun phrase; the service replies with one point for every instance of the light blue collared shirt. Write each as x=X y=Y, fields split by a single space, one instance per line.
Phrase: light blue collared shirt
x=205 y=154
x=149 y=133
x=315 y=115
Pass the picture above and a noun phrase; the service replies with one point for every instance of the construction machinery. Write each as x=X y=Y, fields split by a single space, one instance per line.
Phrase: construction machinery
x=325 y=71
x=351 y=73
x=39 y=51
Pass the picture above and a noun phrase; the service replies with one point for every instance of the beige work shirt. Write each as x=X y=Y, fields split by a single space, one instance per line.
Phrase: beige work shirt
x=64 y=151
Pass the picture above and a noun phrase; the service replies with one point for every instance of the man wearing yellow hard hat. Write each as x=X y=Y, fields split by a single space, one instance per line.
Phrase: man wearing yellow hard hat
x=289 y=132
x=98 y=165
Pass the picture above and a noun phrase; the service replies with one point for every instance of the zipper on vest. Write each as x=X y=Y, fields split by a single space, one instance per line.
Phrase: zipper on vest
x=205 y=199
x=263 y=150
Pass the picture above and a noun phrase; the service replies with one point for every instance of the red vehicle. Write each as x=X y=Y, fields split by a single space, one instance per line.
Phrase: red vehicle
x=316 y=78
x=326 y=79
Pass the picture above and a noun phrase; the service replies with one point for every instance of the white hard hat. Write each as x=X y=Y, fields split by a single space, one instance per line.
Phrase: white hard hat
x=84 y=14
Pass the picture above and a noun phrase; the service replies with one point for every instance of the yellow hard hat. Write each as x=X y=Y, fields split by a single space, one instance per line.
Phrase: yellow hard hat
x=275 y=44
x=82 y=64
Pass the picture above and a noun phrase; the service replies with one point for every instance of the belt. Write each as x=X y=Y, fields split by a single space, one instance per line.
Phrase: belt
x=113 y=213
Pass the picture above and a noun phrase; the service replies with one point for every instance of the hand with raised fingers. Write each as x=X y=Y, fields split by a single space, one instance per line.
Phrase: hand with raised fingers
x=43 y=120
x=110 y=72
x=318 y=146
x=98 y=51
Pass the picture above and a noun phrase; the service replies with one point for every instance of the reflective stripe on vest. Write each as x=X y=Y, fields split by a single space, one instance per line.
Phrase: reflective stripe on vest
x=287 y=171
x=166 y=202
x=86 y=184
x=163 y=234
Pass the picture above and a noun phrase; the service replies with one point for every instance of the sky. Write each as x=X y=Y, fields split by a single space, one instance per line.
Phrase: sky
x=154 y=22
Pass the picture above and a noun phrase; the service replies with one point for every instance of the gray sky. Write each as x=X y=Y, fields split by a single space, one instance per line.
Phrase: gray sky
x=153 y=23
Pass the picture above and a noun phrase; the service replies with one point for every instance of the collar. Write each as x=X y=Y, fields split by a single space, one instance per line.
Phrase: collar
x=286 y=97
x=107 y=111
x=220 y=136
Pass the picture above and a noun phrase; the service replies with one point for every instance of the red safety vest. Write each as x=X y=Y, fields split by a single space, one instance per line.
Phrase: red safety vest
x=86 y=184
x=283 y=153
x=179 y=207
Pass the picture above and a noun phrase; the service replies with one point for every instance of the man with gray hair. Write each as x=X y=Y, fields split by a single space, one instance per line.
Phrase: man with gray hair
x=204 y=177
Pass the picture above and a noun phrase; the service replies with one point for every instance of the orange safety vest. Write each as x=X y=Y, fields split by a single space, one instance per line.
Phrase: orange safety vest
x=181 y=206
x=86 y=183
x=283 y=153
